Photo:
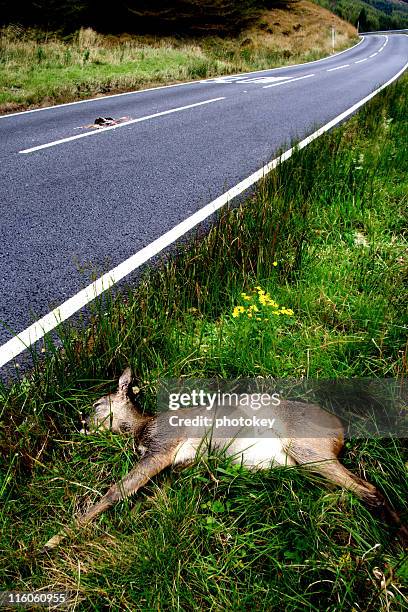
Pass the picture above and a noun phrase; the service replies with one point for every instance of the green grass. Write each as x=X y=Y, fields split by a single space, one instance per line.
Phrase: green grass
x=213 y=536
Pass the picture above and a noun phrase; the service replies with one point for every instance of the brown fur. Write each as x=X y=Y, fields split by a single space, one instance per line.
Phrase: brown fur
x=318 y=452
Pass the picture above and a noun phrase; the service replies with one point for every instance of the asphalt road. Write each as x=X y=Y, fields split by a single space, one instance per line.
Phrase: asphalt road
x=82 y=205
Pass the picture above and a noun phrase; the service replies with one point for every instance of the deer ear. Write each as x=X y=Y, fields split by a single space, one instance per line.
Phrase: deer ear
x=125 y=382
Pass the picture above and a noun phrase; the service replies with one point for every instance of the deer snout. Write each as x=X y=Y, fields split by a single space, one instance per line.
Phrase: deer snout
x=100 y=417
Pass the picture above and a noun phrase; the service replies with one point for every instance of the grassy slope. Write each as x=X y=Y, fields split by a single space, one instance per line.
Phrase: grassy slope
x=39 y=69
x=212 y=536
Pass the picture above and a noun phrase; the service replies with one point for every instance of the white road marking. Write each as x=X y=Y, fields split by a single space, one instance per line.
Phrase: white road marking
x=225 y=79
x=264 y=79
x=338 y=67
x=195 y=82
x=239 y=80
x=361 y=61
x=118 y=125
x=307 y=76
x=50 y=321
x=374 y=54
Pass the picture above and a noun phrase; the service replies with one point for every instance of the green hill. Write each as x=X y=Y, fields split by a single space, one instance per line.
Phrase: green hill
x=370 y=14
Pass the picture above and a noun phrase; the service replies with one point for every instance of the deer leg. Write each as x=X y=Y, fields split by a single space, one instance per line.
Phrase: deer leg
x=312 y=455
x=148 y=466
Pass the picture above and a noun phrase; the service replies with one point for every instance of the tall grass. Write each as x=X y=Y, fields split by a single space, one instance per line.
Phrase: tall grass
x=326 y=236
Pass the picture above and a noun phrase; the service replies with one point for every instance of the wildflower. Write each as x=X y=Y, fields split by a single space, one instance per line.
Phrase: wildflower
x=253 y=308
x=271 y=303
x=266 y=300
x=238 y=310
x=286 y=311
x=275 y=263
x=246 y=297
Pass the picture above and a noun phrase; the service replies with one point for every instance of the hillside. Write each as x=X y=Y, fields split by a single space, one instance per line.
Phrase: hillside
x=172 y=17
x=370 y=14
x=87 y=63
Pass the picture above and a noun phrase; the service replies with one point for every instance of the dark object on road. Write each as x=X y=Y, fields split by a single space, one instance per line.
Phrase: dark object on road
x=105 y=121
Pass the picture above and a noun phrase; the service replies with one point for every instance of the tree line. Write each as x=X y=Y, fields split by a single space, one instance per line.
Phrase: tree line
x=370 y=15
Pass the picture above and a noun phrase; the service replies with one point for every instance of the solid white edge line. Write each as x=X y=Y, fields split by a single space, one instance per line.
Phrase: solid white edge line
x=50 y=321
x=140 y=91
x=119 y=125
x=307 y=76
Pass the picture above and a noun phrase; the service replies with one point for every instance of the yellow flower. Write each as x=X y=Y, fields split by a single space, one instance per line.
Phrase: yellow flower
x=266 y=300
x=246 y=297
x=253 y=308
x=275 y=263
x=286 y=311
x=238 y=310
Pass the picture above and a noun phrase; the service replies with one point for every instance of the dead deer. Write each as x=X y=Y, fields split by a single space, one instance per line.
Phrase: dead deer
x=303 y=434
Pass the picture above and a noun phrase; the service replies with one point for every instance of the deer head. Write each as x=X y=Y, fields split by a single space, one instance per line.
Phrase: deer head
x=116 y=412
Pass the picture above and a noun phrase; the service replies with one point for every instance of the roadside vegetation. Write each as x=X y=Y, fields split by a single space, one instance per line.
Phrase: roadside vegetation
x=325 y=239
x=40 y=68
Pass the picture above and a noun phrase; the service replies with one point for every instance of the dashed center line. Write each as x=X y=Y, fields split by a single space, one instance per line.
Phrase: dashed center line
x=307 y=76
x=338 y=67
x=372 y=55
x=119 y=125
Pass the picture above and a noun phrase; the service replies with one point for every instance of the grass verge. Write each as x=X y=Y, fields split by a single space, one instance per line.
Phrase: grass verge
x=41 y=69
x=326 y=236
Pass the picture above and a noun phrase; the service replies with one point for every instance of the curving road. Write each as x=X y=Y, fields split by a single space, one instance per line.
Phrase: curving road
x=76 y=202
